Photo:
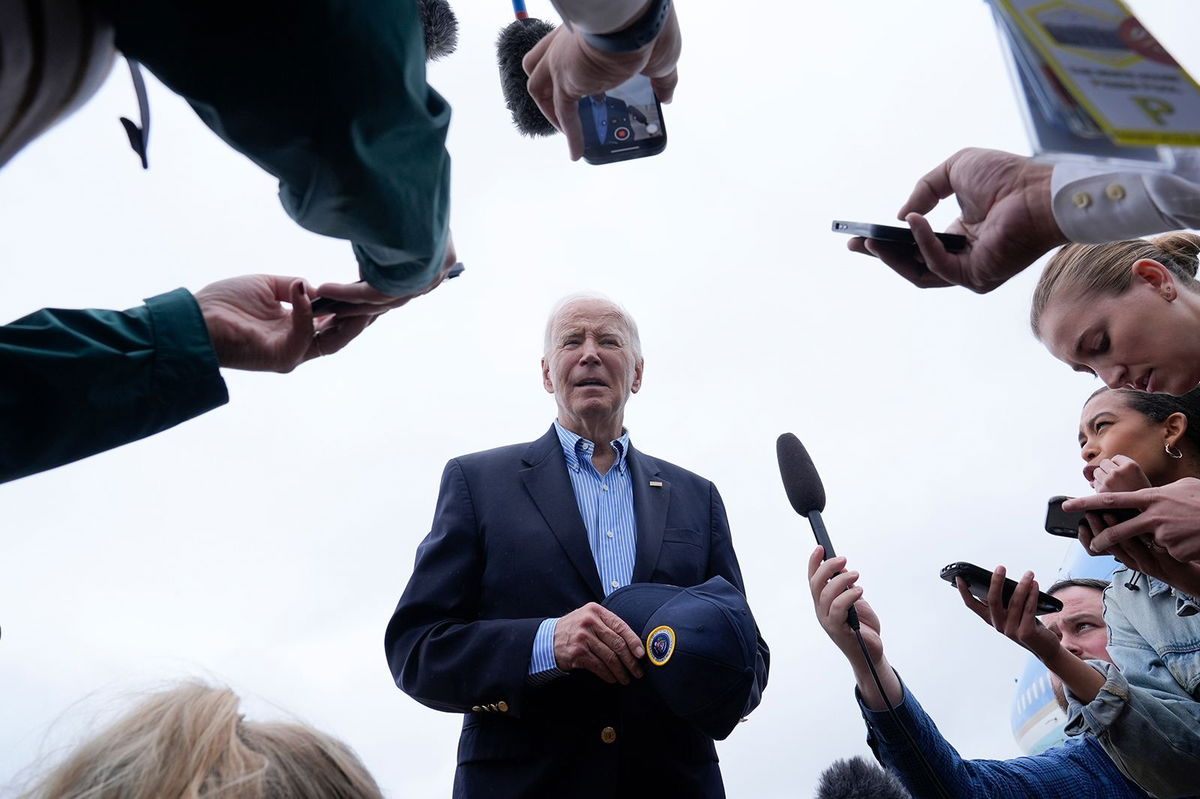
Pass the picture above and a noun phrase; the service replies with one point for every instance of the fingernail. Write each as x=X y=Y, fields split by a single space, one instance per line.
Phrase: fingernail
x=303 y=290
x=639 y=652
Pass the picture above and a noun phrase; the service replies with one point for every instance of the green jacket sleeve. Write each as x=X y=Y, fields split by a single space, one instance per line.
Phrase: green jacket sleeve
x=330 y=97
x=74 y=383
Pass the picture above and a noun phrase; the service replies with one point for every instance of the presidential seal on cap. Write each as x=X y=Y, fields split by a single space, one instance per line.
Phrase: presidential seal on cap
x=701 y=646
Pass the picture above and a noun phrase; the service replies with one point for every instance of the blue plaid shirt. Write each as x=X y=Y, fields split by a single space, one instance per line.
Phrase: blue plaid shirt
x=606 y=506
x=1075 y=769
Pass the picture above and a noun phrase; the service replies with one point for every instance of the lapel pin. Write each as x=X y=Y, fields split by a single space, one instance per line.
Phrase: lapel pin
x=656 y=483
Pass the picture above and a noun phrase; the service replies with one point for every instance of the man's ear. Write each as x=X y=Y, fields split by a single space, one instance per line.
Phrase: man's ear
x=547 y=383
x=637 y=376
x=1155 y=275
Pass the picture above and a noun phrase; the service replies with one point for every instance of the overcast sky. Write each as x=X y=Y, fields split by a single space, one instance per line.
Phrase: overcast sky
x=264 y=544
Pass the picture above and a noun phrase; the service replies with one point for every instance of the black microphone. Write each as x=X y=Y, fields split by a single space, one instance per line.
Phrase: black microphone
x=807 y=495
x=513 y=43
x=441 y=28
x=857 y=778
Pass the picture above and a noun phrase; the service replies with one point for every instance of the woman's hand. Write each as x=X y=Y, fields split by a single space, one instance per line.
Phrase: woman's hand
x=1118 y=473
x=1017 y=621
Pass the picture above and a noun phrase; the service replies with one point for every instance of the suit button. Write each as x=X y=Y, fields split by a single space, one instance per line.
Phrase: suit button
x=608 y=735
x=503 y=706
x=1115 y=192
x=1082 y=199
x=476 y=709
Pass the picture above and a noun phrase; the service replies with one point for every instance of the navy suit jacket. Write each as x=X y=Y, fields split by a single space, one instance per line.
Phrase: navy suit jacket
x=508 y=549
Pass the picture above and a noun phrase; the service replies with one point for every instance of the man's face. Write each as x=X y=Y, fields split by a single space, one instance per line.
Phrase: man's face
x=591 y=368
x=1080 y=626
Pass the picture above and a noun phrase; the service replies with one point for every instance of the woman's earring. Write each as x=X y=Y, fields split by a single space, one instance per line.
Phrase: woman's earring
x=1176 y=454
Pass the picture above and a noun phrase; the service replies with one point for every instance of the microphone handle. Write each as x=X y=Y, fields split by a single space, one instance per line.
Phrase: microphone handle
x=822 y=536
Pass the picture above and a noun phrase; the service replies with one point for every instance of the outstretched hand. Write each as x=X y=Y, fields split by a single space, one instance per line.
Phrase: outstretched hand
x=563 y=69
x=1006 y=215
x=834 y=591
x=252 y=329
x=1018 y=621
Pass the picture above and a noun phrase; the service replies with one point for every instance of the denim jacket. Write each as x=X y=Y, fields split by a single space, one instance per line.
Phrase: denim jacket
x=1147 y=714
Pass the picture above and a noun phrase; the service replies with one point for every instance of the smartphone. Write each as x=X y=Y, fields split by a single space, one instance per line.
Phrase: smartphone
x=896 y=235
x=979 y=580
x=323 y=306
x=1059 y=522
x=622 y=123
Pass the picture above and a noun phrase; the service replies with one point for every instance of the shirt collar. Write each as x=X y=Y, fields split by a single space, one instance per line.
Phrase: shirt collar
x=574 y=444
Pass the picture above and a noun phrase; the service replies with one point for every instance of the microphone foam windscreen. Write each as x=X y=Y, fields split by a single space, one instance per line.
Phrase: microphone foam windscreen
x=800 y=478
x=514 y=42
x=441 y=28
x=857 y=779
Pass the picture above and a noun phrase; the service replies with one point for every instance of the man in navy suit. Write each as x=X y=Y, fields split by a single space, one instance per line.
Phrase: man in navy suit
x=605 y=120
x=501 y=620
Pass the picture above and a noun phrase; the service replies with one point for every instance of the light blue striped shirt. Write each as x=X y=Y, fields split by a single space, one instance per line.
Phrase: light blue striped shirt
x=606 y=506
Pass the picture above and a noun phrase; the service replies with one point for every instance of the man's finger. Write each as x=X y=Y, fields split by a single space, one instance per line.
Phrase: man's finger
x=589 y=662
x=996 y=599
x=938 y=261
x=618 y=625
x=1138 y=525
x=611 y=662
x=1138 y=500
x=974 y=605
x=566 y=110
x=664 y=87
x=902 y=258
x=933 y=187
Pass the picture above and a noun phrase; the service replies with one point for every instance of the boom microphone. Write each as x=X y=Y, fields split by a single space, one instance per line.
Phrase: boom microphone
x=440 y=26
x=513 y=43
x=856 y=778
x=807 y=495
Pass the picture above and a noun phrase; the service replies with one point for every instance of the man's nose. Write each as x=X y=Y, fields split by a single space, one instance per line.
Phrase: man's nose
x=589 y=352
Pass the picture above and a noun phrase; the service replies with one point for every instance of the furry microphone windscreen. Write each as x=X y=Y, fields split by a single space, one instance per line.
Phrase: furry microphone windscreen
x=441 y=28
x=856 y=778
x=514 y=42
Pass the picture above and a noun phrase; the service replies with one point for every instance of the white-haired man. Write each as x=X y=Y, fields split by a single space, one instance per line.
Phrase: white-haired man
x=501 y=619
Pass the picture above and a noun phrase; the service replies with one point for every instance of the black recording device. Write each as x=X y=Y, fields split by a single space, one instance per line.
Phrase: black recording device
x=953 y=242
x=979 y=582
x=1059 y=522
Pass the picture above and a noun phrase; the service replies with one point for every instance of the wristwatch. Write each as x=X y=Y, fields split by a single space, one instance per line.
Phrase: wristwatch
x=635 y=36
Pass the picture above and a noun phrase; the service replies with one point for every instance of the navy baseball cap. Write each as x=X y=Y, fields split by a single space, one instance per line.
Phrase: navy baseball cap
x=701 y=646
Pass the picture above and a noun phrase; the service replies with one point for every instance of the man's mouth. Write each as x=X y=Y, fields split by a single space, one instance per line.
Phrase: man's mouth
x=591 y=382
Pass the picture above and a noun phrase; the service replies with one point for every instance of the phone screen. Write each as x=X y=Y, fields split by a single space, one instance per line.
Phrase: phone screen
x=622 y=123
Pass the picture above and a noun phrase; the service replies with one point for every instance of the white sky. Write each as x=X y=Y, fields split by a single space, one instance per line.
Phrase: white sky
x=265 y=544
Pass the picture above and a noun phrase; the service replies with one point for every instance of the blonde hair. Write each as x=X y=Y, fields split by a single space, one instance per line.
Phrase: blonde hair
x=190 y=742
x=1089 y=269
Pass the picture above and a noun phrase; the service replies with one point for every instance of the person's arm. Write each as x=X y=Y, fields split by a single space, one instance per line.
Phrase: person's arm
x=1019 y=623
x=569 y=63
x=723 y=562
x=1055 y=774
x=78 y=382
x=331 y=99
x=439 y=650
x=1147 y=722
x=1093 y=205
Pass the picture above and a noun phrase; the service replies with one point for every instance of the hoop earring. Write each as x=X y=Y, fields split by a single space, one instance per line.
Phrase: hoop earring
x=1176 y=454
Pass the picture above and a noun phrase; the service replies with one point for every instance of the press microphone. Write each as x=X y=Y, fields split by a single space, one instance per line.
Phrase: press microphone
x=440 y=26
x=856 y=778
x=807 y=495
x=513 y=43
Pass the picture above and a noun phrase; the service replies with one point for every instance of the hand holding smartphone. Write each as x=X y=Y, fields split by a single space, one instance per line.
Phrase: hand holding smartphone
x=979 y=581
x=622 y=123
x=953 y=242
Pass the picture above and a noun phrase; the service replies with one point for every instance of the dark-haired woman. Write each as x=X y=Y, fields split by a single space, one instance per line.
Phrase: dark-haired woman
x=1145 y=709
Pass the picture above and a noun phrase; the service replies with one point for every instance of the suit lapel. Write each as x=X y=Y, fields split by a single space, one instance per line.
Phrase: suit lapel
x=548 y=484
x=650 y=510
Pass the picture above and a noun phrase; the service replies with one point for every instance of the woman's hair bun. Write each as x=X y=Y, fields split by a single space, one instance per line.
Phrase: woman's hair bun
x=1182 y=248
